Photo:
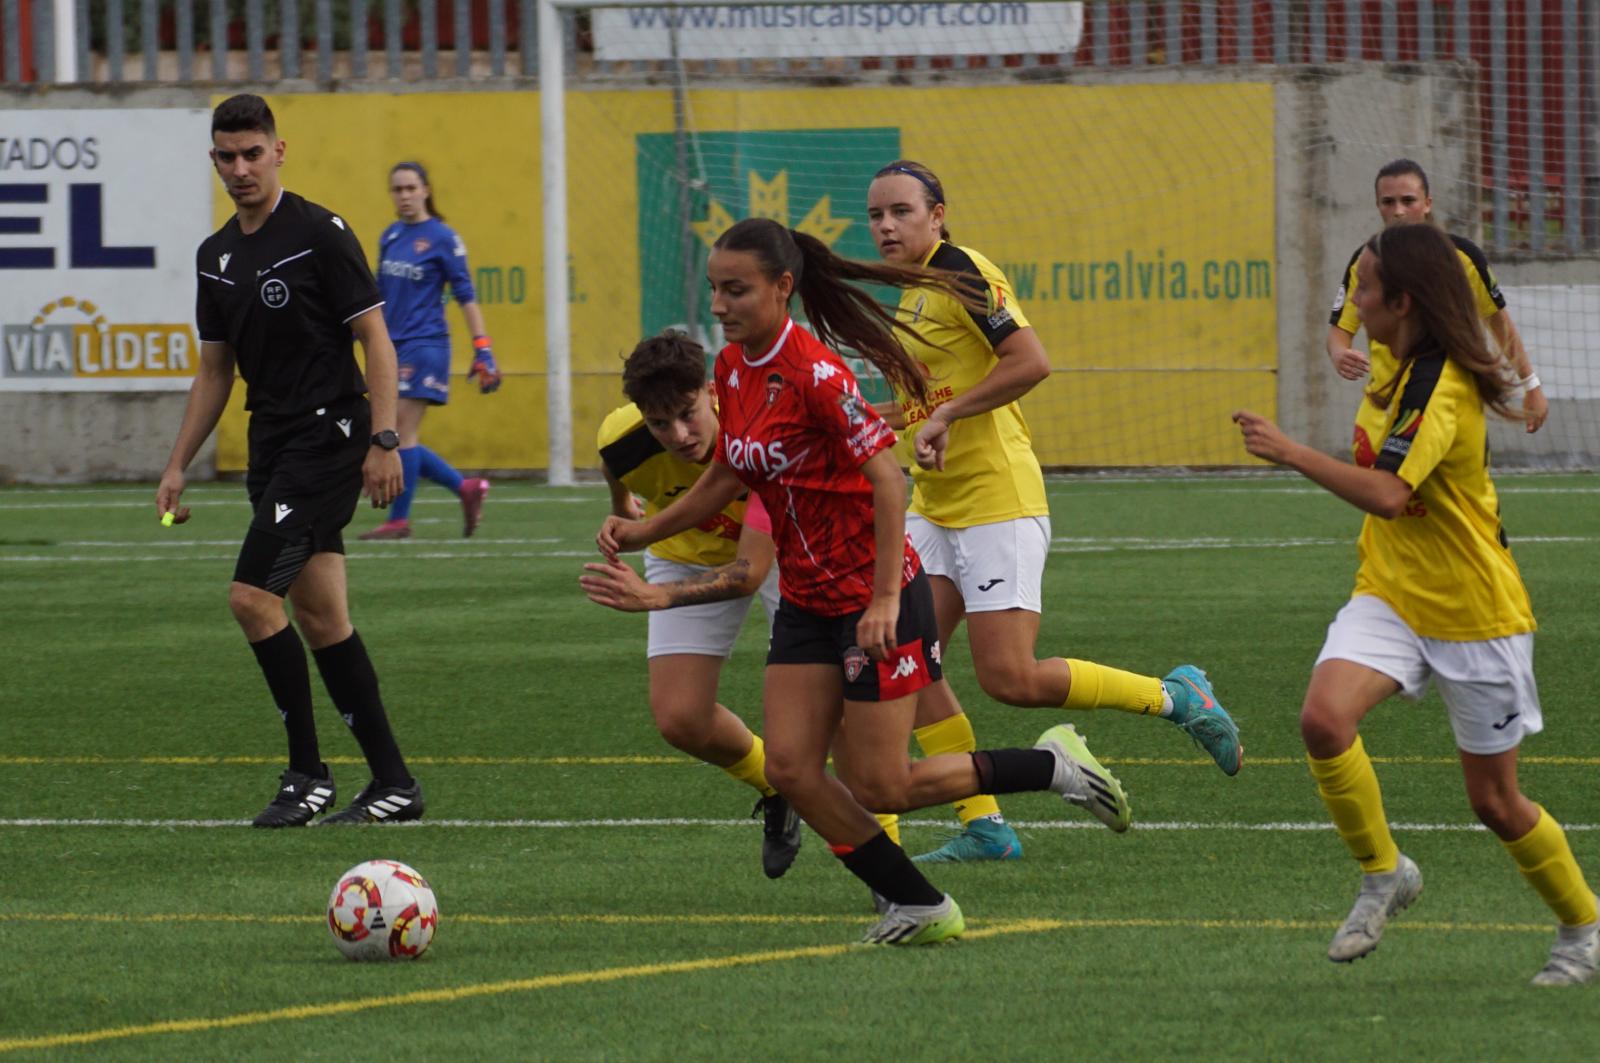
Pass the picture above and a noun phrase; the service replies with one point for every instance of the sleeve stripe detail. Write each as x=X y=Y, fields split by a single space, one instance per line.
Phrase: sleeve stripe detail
x=358 y=313
x=213 y=276
x=291 y=258
x=629 y=451
x=1480 y=263
x=1413 y=405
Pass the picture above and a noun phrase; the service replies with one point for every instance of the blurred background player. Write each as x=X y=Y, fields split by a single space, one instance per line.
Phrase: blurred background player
x=655 y=448
x=281 y=288
x=979 y=516
x=1438 y=596
x=854 y=639
x=1401 y=189
x=418 y=256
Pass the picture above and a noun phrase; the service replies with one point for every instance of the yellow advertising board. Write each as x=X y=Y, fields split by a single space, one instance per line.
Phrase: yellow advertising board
x=1136 y=223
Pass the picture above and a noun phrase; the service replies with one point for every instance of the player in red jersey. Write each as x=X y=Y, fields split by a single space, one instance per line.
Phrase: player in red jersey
x=854 y=638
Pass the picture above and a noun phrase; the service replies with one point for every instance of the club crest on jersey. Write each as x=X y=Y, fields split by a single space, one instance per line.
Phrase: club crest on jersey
x=275 y=294
x=421 y=244
x=774 y=385
x=851 y=405
x=855 y=662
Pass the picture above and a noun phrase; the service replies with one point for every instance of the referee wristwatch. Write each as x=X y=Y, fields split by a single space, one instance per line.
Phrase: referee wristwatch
x=388 y=439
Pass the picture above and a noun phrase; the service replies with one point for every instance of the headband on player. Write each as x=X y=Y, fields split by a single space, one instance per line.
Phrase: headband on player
x=414 y=167
x=935 y=190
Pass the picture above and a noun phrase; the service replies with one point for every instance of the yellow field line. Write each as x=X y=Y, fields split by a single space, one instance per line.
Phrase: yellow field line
x=604 y=761
x=469 y=992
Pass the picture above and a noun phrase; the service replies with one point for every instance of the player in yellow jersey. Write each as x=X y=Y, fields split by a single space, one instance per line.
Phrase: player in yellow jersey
x=1401 y=189
x=654 y=449
x=1438 y=596
x=979 y=516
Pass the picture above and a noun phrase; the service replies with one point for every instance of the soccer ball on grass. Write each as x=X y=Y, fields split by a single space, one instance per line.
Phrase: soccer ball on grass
x=382 y=910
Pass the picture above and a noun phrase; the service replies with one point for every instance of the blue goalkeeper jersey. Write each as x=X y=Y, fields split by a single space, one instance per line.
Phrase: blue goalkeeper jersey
x=415 y=262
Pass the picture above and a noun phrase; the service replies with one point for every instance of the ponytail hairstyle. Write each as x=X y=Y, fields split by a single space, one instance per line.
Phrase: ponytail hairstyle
x=841 y=313
x=1421 y=261
x=663 y=369
x=933 y=190
x=422 y=175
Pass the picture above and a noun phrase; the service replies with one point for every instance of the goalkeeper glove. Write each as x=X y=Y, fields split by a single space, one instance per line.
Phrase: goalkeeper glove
x=483 y=366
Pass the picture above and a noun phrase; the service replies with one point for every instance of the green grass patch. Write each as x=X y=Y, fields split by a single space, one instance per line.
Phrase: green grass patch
x=565 y=933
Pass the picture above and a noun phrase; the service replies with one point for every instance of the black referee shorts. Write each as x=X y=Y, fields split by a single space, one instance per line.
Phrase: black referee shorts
x=304 y=482
x=802 y=637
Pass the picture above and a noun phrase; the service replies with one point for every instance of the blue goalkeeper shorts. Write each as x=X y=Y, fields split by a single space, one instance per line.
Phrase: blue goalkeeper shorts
x=425 y=369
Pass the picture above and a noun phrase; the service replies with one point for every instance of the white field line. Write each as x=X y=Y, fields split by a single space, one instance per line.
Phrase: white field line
x=233 y=495
x=1280 y=827
x=444 y=550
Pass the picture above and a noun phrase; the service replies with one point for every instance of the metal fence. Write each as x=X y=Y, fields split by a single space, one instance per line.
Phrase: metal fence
x=1536 y=63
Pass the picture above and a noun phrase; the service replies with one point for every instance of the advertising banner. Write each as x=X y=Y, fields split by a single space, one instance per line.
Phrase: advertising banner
x=805 y=31
x=99 y=221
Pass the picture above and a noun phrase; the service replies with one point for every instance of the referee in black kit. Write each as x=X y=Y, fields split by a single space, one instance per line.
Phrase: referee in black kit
x=282 y=288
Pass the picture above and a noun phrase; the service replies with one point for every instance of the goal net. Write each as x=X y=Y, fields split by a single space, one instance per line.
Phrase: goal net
x=1173 y=189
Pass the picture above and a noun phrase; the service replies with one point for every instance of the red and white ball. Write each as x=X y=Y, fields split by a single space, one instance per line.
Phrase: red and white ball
x=382 y=910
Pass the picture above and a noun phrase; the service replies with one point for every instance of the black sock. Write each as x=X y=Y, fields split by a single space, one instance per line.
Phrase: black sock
x=1013 y=771
x=283 y=662
x=348 y=674
x=886 y=868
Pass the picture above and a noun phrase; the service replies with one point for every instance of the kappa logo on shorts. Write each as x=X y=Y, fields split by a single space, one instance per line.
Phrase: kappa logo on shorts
x=904 y=668
x=275 y=294
x=282 y=511
x=855 y=661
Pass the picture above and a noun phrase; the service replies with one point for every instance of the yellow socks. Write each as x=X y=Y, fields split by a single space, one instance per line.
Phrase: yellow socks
x=954 y=735
x=1349 y=787
x=1094 y=686
x=1545 y=860
x=751 y=769
x=890 y=824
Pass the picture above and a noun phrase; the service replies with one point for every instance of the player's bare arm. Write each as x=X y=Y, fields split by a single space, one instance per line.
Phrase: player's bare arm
x=623 y=504
x=1022 y=365
x=381 y=473
x=617 y=585
x=875 y=631
x=710 y=495
x=1348 y=362
x=1375 y=491
x=1535 y=405
x=208 y=397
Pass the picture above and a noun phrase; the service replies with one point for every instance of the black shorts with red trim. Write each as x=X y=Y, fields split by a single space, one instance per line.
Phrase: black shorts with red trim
x=802 y=637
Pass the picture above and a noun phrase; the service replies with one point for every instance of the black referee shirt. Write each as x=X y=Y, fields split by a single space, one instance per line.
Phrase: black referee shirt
x=283 y=298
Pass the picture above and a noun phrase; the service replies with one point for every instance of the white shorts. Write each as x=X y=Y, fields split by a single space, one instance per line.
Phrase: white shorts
x=709 y=629
x=1487 y=686
x=995 y=566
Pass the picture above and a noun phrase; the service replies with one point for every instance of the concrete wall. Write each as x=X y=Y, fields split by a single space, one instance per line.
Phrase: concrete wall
x=1335 y=127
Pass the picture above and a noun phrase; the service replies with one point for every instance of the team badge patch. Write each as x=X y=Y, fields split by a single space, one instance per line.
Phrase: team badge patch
x=421 y=244
x=275 y=294
x=853 y=413
x=855 y=662
x=774 y=385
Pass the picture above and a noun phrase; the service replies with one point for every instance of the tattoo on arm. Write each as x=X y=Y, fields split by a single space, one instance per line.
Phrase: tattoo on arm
x=717 y=585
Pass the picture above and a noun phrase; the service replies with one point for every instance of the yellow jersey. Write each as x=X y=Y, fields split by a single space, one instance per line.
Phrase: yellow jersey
x=1485 y=293
x=991 y=473
x=1444 y=564
x=640 y=463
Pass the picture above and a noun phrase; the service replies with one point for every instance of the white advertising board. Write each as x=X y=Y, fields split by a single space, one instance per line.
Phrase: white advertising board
x=100 y=215
x=807 y=31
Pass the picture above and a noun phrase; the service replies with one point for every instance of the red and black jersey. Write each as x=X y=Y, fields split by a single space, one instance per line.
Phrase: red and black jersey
x=796 y=430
